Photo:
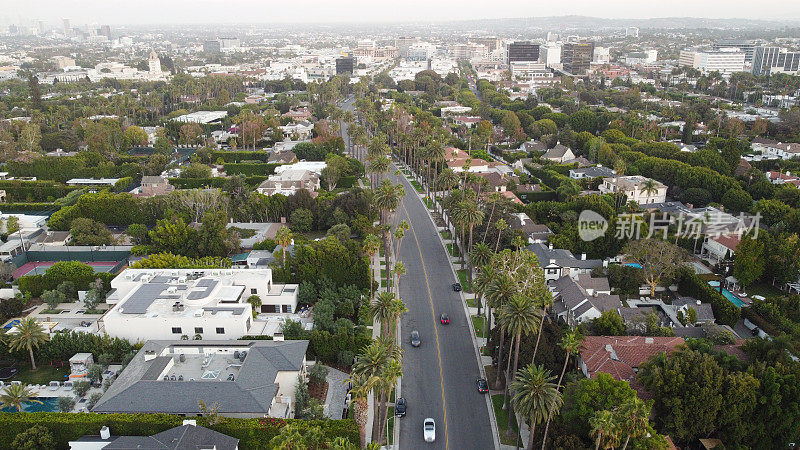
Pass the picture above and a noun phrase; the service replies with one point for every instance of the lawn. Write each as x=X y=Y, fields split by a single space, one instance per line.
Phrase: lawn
x=764 y=290
x=390 y=425
x=502 y=420
x=453 y=250
x=417 y=186
x=446 y=234
x=472 y=302
x=477 y=323
x=43 y=374
x=463 y=277
x=428 y=203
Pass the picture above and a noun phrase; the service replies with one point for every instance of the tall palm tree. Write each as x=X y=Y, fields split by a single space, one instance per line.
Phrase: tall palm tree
x=371 y=362
x=604 y=427
x=500 y=225
x=361 y=387
x=17 y=395
x=382 y=310
x=388 y=381
x=534 y=395
x=544 y=300
x=571 y=344
x=633 y=417
x=372 y=244
x=480 y=256
x=649 y=187
x=468 y=215
x=494 y=198
x=387 y=199
x=519 y=317
x=29 y=335
x=447 y=180
x=482 y=280
x=284 y=238
x=499 y=291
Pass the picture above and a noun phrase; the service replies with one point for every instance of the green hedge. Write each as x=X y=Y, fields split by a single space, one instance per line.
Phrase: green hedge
x=252 y=433
x=249 y=169
x=236 y=156
x=63 y=168
x=34 y=191
x=541 y=196
x=690 y=284
x=79 y=273
x=215 y=182
x=24 y=207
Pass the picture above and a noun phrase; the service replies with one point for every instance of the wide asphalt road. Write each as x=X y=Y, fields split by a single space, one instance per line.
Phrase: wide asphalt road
x=439 y=376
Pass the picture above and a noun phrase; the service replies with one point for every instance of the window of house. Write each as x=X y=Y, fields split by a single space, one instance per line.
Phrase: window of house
x=254 y=291
x=220 y=330
x=176 y=330
x=198 y=330
x=287 y=308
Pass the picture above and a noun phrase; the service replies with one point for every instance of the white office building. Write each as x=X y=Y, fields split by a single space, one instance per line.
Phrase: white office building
x=209 y=303
x=550 y=54
x=725 y=61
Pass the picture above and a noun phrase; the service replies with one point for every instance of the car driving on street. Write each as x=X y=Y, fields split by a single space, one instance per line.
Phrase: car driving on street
x=429 y=430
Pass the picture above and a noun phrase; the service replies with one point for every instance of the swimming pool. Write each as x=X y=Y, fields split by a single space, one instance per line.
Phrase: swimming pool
x=49 y=404
x=636 y=265
x=728 y=294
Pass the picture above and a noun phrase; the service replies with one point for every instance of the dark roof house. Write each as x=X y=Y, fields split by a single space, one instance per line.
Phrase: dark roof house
x=188 y=436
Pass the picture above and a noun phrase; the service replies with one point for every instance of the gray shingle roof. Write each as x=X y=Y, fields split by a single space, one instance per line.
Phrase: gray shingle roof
x=563 y=258
x=184 y=437
x=250 y=393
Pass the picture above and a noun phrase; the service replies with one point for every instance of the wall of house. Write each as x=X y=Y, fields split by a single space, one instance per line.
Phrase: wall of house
x=145 y=327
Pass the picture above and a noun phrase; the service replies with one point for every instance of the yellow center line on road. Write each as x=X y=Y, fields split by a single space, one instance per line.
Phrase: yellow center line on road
x=433 y=314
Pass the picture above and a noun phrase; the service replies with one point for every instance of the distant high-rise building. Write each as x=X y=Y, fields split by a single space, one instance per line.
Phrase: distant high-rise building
x=577 y=57
x=747 y=47
x=770 y=60
x=105 y=30
x=211 y=46
x=403 y=43
x=724 y=61
x=551 y=54
x=601 y=55
x=552 y=37
x=420 y=51
x=229 y=43
x=492 y=43
x=632 y=32
x=522 y=51
x=67 y=29
x=153 y=63
x=345 y=65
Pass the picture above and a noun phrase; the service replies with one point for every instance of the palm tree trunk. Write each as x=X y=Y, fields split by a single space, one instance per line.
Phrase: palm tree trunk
x=360 y=414
x=553 y=405
x=597 y=441
x=33 y=362
x=499 y=359
x=376 y=411
x=539 y=337
x=508 y=380
x=627 y=439
x=469 y=249
x=497 y=244
x=489 y=222
x=384 y=417
x=533 y=433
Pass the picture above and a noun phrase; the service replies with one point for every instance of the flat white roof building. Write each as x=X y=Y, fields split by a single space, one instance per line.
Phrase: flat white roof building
x=202 y=116
x=172 y=303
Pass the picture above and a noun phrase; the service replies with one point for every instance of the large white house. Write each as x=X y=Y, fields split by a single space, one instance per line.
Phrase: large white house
x=173 y=303
x=635 y=187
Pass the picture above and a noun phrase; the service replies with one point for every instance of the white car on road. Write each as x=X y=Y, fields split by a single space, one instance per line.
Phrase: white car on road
x=429 y=430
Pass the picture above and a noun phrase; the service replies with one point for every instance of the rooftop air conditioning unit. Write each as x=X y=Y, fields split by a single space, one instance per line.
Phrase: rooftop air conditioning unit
x=105 y=433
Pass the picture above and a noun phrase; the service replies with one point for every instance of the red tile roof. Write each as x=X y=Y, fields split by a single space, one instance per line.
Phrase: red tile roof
x=730 y=241
x=620 y=355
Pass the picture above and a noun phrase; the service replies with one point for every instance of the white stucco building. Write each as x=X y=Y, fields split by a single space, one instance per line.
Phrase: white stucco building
x=635 y=187
x=172 y=303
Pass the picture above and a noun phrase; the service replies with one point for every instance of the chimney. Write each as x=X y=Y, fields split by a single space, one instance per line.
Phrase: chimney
x=698 y=302
x=550 y=246
x=277 y=337
x=105 y=433
x=552 y=261
x=583 y=256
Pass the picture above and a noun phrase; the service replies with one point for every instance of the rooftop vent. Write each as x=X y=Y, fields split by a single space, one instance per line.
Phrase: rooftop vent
x=105 y=433
x=230 y=377
x=648 y=340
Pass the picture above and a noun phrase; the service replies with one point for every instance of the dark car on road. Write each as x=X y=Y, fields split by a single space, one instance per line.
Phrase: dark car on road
x=457 y=287
x=415 y=341
x=445 y=319
x=483 y=386
x=400 y=407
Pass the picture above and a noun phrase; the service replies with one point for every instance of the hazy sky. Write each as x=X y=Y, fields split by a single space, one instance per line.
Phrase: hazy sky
x=266 y=11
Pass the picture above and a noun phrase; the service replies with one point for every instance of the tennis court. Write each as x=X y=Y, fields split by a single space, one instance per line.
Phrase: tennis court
x=40 y=267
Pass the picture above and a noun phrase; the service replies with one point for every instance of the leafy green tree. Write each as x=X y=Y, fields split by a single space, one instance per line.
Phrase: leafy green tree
x=749 y=260
x=737 y=200
x=66 y=404
x=134 y=136
x=93 y=298
x=69 y=290
x=605 y=428
x=584 y=397
x=88 y=232
x=54 y=298
x=609 y=324
x=196 y=170
x=659 y=260
x=29 y=335
x=37 y=437
x=301 y=220
x=137 y=232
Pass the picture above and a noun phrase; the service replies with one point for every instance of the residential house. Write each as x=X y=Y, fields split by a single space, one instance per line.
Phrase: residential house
x=184 y=437
x=243 y=378
x=536 y=233
x=298 y=130
x=155 y=185
x=776 y=177
x=591 y=172
x=776 y=149
x=559 y=154
x=621 y=356
x=298 y=115
x=557 y=263
x=456 y=159
x=720 y=248
x=210 y=303
x=582 y=299
x=635 y=187
x=467 y=121
x=257 y=231
x=705 y=314
x=289 y=182
x=284 y=157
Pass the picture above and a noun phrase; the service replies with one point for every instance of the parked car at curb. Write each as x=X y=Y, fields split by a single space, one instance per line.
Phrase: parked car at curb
x=400 y=407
